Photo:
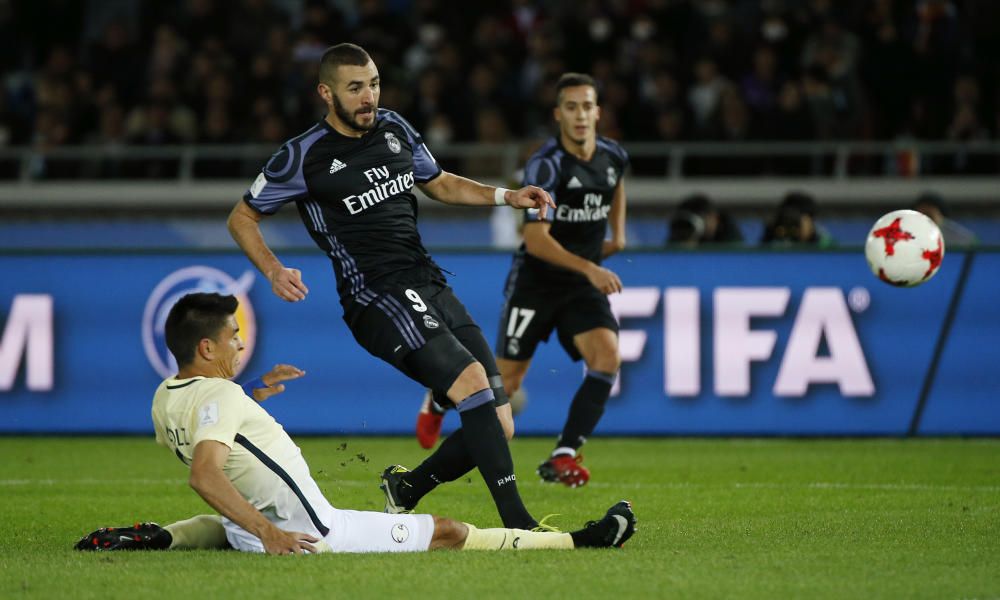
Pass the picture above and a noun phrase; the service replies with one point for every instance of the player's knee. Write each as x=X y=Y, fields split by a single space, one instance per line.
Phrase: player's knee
x=605 y=361
x=512 y=373
x=469 y=381
x=448 y=533
x=512 y=382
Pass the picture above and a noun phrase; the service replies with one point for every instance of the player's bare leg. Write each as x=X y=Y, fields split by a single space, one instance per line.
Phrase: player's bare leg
x=513 y=372
x=599 y=348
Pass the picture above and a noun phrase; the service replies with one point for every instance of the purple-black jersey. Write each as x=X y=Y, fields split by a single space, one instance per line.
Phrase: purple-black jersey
x=356 y=200
x=583 y=192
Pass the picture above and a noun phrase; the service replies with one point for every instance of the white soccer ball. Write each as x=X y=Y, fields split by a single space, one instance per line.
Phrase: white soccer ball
x=904 y=248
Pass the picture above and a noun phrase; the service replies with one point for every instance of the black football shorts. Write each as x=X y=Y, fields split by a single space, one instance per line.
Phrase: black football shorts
x=530 y=314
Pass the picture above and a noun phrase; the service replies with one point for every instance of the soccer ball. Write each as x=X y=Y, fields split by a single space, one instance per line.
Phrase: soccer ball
x=904 y=248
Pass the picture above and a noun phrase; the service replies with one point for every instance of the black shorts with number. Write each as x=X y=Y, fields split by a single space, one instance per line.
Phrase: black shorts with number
x=401 y=325
x=531 y=313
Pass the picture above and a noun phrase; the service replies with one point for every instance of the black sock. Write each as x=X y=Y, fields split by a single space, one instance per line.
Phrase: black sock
x=449 y=462
x=487 y=446
x=586 y=410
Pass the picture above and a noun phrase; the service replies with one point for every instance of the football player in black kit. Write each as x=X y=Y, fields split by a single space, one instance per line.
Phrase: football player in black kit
x=556 y=281
x=351 y=176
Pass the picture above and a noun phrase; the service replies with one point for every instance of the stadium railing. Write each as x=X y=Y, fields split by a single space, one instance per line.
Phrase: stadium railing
x=750 y=174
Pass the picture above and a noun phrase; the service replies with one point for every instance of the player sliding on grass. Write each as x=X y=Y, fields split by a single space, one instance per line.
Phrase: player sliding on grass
x=245 y=466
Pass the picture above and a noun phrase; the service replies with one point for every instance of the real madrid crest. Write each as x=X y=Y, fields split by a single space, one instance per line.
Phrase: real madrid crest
x=612 y=176
x=392 y=141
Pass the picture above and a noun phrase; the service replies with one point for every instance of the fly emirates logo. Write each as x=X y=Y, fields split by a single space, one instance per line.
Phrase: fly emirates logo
x=382 y=187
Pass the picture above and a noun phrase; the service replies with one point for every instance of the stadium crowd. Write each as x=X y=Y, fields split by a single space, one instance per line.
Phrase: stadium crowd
x=234 y=71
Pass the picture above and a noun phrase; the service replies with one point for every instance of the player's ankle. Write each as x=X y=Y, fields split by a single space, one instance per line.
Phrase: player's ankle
x=563 y=451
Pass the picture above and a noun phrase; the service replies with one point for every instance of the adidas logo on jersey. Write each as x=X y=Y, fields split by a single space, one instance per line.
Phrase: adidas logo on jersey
x=574 y=183
x=336 y=165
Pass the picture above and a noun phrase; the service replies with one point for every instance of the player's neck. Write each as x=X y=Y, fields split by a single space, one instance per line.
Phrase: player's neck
x=584 y=151
x=339 y=126
x=200 y=370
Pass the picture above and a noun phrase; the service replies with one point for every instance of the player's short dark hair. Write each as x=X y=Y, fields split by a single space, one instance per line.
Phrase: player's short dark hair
x=574 y=80
x=193 y=318
x=341 y=54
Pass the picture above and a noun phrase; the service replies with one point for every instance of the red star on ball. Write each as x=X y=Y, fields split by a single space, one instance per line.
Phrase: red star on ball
x=933 y=257
x=892 y=234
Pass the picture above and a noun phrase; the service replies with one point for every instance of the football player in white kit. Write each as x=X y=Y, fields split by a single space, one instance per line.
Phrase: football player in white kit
x=247 y=468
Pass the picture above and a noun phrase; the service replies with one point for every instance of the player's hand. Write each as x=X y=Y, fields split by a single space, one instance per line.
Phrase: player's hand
x=531 y=197
x=287 y=284
x=604 y=280
x=277 y=541
x=273 y=378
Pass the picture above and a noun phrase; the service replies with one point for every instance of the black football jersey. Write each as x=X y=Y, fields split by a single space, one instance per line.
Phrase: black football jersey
x=355 y=197
x=582 y=192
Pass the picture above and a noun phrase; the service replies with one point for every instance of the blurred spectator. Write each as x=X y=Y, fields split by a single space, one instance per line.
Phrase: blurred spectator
x=794 y=223
x=697 y=221
x=760 y=86
x=706 y=95
x=933 y=205
x=802 y=69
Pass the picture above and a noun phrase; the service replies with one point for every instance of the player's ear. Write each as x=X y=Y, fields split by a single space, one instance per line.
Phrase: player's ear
x=206 y=348
x=325 y=93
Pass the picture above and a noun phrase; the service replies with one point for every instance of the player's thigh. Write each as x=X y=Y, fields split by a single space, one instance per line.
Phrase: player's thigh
x=469 y=335
x=365 y=531
x=397 y=324
x=513 y=372
x=583 y=311
x=527 y=318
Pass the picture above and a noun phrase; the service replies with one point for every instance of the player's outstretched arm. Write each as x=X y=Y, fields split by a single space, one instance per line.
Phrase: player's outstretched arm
x=244 y=226
x=208 y=479
x=540 y=244
x=616 y=222
x=454 y=189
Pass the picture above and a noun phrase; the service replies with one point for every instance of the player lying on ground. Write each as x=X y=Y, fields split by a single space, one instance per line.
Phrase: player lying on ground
x=247 y=468
x=556 y=280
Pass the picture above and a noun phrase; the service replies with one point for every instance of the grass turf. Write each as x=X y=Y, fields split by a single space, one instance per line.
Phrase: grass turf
x=717 y=518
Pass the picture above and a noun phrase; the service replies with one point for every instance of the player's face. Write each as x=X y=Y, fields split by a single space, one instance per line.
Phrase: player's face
x=228 y=346
x=578 y=113
x=354 y=96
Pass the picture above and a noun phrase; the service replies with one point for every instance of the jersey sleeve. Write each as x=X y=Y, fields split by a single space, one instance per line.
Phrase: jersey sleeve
x=425 y=166
x=219 y=414
x=616 y=150
x=280 y=181
x=541 y=171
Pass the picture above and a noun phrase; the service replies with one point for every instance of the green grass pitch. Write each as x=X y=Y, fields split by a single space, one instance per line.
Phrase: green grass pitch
x=717 y=519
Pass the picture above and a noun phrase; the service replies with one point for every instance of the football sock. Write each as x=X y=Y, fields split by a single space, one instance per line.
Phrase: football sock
x=560 y=450
x=439 y=402
x=515 y=539
x=450 y=461
x=586 y=409
x=203 y=532
x=487 y=445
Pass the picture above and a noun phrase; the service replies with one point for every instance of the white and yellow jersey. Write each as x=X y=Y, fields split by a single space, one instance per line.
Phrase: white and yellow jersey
x=264 y=464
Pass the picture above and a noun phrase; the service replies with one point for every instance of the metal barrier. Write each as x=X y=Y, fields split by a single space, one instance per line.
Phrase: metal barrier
x=746 y=173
